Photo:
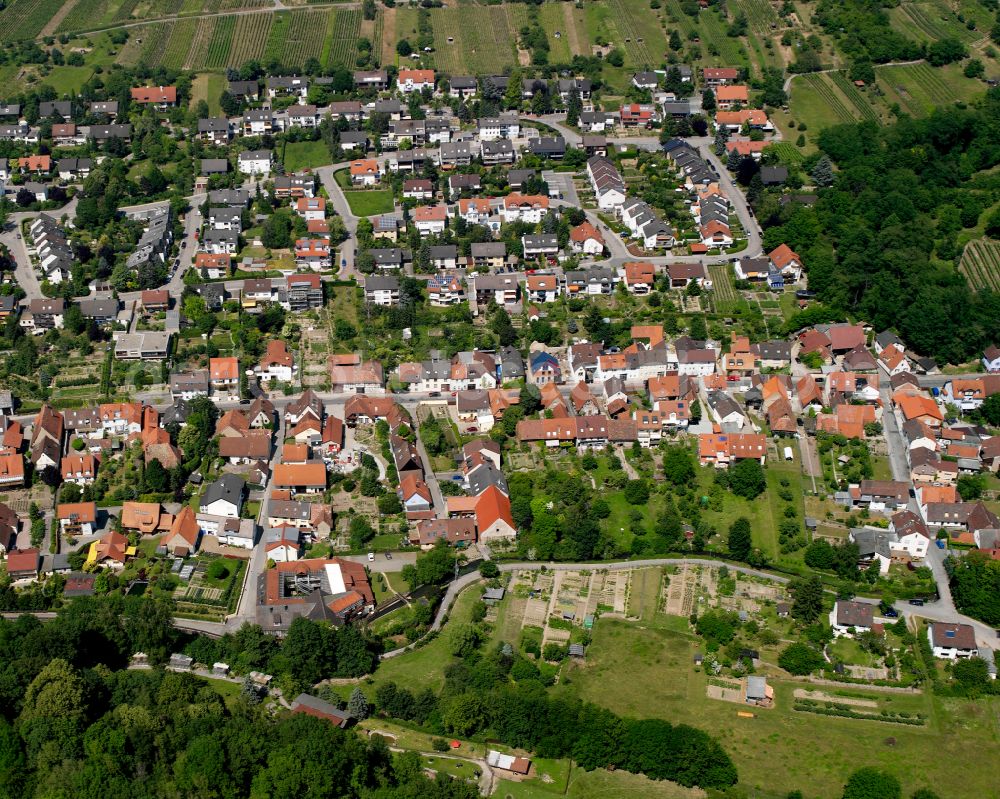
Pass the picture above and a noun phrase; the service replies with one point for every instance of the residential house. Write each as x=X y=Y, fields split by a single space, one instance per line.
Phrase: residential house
x=848 y=618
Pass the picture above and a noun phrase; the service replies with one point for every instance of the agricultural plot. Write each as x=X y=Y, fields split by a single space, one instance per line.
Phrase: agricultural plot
x=853 y=93
x=787 y=152
x=222 y=40
x=821 y=96
x=481 y=40
x=276 y=37
x=981 y=264
x=760 y=15
x=306 y=33
x=641 y=34
x=929 y=22
x=919 y=88
x=249 y=38
x=343 y=41
x=89 y=15
x=24 y=19
x=146 y=44
x=725 y=49
x=176 y=49
x=554 y=22
x=197 y=55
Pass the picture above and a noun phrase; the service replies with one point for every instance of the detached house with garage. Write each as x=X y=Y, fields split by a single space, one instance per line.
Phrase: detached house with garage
x=952 y=641
x=848 y=618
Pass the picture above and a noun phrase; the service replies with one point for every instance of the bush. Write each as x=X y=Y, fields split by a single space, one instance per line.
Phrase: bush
x=439 y=745
x=489 y=570
x=800 y=659
x=218 y=569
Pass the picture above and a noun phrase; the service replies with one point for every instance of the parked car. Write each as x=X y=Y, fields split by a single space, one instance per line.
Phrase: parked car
x=388 y=556
x=890 y=613
x=371 y=556
x=917 y=602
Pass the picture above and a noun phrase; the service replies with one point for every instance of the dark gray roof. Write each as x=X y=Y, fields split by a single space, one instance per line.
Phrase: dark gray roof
x=229 y=488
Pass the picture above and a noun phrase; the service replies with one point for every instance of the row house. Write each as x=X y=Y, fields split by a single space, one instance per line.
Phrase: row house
x=586 y=239
x=216 y=130
x=490 y=255
x=542 y=245
x=500 y=151
x=584 y=432
x=287 y=86
x=606 y=182
x=415 y=80
x=303 y=292
x=646 y=225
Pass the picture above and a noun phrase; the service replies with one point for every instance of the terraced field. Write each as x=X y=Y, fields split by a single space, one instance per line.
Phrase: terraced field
x=24 y=19
x=981 y=264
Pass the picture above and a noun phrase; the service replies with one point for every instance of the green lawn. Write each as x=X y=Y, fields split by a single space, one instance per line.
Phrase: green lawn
x=370 y=202
x=803 y=751
x=592 y=785
x=424 y=667
x=305 y=155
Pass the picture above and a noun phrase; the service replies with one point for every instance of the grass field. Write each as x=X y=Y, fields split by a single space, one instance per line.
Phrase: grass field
x=208 y=86
x=981 y=264
x=305 y=155
x=424 y=667
x=780 y=749
x=370 y=202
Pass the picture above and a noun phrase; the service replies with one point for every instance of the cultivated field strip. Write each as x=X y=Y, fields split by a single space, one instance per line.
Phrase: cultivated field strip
x=179 y=43
x=853 y=93
x=222 y=40
x=249 y=38
x=343 y=45
x=197 y=55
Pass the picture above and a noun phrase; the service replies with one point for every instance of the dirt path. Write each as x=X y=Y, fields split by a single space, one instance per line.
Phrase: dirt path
x=571 y=32
x=822 y=696
x=53 y=24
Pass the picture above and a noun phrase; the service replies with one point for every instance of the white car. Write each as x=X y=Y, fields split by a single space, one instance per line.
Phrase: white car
x=371 y=556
